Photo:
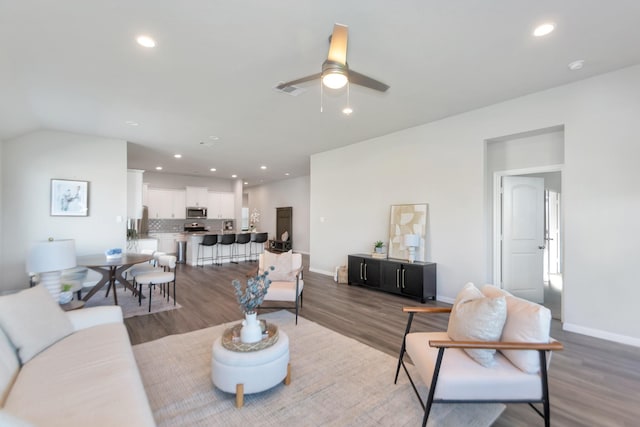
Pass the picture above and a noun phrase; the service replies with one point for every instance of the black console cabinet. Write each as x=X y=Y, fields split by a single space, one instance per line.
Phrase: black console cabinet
x=416 y=280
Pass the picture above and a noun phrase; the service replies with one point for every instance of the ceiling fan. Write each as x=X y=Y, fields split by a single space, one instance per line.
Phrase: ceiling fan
x=335 y=70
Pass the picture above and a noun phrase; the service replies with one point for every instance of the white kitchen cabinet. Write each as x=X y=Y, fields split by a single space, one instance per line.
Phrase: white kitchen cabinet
x=166 y=204
x=166 y=241
x=221 y=205
x=197 y=197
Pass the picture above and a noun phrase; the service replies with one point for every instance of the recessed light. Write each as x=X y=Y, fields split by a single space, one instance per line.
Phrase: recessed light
x=234 y=176
x=212 y=169
x=177 y=156
x=214 y=138
x=347 y=111
x=131 y=123
x=246 y=183
x=576 y=65
x=543 y=30
x=158 y=168
x=146 y=41
x=287 y=174
x=263 y=167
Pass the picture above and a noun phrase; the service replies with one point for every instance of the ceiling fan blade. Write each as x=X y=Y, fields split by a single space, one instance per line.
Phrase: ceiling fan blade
x=300 y=80
x=338 y=46
x=362 y=80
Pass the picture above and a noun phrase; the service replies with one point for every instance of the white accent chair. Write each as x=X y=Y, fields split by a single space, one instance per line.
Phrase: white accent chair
x=287 y=282
x=518 y=373
x=162 y=278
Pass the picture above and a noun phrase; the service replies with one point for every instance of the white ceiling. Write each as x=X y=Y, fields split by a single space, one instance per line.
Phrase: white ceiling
x=73 y=65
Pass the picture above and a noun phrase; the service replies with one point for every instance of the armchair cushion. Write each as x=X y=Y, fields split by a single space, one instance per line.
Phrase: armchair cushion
x=33 y=321
x=283 y=266
x=526 y=322
x=475 y=317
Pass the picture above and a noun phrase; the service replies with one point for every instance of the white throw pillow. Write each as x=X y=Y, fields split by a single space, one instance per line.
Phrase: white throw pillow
x=526 y=322
x=282 y=266
x=477 y=318
x=33 y=321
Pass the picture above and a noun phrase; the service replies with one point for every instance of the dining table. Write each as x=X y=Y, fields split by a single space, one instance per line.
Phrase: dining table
x=112 y=270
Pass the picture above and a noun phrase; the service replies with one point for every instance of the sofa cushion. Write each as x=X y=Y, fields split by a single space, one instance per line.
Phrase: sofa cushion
x=526 y=322
x=477 y=318
x=89 y=378
x=9 y=366
x=9 y=420
x=33 y=321
x=462 y=378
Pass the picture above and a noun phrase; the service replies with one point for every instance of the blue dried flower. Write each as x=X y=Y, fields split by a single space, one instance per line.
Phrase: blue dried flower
x=252 y=295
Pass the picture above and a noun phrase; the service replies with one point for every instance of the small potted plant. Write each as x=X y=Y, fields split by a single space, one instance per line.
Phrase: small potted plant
x=66 y=295
x=378 y=245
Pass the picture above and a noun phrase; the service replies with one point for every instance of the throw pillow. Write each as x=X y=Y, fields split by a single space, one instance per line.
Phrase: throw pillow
x=526 y=322
x=282 y=266
x=477 y=318
x=33 y=321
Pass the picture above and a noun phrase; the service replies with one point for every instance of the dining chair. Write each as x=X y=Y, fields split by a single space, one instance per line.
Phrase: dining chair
x=162 y=278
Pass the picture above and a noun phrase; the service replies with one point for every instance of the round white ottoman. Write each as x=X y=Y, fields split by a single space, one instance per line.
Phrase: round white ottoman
x=252 y=371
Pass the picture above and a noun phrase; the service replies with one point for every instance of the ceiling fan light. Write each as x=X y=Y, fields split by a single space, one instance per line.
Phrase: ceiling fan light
x=334 y=79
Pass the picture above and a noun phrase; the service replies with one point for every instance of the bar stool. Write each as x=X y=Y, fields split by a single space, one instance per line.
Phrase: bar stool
x=209 y=240
x=243 y=239
x=227 y=240
x=257 y=239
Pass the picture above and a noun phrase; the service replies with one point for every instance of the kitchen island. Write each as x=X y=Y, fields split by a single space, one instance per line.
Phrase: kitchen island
x=224 y=251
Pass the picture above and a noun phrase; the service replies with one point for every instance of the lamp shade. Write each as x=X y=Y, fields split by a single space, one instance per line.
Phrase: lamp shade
x=411 y=240
x=53 y=255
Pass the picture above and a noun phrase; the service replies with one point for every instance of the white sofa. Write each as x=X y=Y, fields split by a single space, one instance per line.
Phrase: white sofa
x=89 y=377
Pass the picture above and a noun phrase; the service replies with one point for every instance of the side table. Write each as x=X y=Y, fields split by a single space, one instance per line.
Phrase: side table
x=251 y=371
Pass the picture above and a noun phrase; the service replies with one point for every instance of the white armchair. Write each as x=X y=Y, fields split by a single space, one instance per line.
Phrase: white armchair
x=286 y=278
x=519 y=356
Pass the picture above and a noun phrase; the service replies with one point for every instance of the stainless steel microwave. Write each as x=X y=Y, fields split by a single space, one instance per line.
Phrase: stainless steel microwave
x=196 y=212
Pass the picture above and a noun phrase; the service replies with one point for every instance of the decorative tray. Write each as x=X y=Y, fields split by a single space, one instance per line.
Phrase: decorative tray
x=231 y=338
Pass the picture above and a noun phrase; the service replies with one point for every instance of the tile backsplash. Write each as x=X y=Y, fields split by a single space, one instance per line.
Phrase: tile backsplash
x=177 y=225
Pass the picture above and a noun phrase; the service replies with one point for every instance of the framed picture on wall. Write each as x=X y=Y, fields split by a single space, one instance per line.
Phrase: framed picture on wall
x=69 y=198
x=408 y=227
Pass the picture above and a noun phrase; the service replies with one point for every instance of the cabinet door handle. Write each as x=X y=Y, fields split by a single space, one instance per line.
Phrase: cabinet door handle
x=397 y=277
x=365 y=271
x=403 y=278
x=361 y=277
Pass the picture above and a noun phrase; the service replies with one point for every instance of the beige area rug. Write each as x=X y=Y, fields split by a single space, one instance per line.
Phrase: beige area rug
x=336 y=381
x=129 y=303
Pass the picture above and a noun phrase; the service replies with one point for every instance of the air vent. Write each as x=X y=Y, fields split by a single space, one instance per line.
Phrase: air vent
x=289 y=90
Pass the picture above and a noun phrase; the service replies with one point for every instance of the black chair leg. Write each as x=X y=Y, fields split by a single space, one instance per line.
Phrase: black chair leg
x=150 y=297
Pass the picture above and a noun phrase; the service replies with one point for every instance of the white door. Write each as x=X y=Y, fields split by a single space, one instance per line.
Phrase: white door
x=523 y=237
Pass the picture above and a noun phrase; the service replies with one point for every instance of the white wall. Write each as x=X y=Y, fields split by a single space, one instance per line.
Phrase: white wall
x=292 y=192
x=443 y=164
x=28 y=165
x=175 y=181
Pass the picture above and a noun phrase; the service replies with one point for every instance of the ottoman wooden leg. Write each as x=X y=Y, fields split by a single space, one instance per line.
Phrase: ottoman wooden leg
x=287 y=379
x=239 y=395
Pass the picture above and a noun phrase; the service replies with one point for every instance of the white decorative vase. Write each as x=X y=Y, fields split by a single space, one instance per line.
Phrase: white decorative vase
x=251 y=331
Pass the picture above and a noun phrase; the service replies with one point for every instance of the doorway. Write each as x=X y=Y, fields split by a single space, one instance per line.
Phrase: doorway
x=529 y=263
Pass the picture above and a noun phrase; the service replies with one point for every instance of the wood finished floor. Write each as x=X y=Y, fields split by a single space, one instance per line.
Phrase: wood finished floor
x=592 y=382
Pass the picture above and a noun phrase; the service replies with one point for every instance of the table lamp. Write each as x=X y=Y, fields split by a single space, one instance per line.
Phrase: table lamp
x=412 y=241
x=48 y=259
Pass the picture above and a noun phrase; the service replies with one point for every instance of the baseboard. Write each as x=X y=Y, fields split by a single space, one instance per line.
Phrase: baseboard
x=445 y=299
x=326 y=273
x=597 y=333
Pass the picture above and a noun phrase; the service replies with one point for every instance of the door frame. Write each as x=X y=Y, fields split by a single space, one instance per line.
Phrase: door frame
x=497 y=214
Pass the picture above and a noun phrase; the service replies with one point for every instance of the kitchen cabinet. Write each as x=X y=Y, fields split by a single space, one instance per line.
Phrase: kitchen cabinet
x=166 y=204
x=166 y=241
x=364 y=271
x=221 y=205
x=197 y=197
x=415 y=280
